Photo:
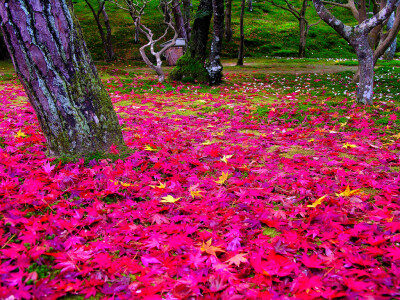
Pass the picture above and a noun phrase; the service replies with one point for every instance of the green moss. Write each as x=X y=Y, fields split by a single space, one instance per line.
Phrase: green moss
x=189 y=69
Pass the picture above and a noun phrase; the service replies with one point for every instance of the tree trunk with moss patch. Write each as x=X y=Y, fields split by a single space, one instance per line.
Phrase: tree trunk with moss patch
x=191 y=65
x=241 y=43
x=53 y=64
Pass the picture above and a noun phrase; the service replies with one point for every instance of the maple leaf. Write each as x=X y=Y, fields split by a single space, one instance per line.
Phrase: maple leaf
x=225 y=158
x=47 y=167
x=206 y=247
x=20 y=134
x=317 y=202
x=206 y=143
x=310 y=140
x=150 y=148
x=114 y=150
x=222 y=178
x=237 y=259
x=196 y=194
x=394 y=252
x=347 y=192
x=347 y=145
x=169 y=199
x=160 y=186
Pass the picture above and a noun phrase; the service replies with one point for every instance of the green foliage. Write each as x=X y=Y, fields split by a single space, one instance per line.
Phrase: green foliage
x=189 y=69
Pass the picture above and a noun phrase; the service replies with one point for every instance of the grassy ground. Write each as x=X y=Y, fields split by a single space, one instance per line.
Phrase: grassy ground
x=268 y=32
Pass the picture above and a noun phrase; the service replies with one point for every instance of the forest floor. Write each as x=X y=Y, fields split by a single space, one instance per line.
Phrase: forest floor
x=268 y=186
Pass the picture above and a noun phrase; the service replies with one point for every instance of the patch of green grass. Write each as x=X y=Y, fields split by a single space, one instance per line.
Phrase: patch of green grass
x=271 y=232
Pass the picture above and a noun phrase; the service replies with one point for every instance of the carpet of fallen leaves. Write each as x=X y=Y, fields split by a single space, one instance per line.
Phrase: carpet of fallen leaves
x=234 y=193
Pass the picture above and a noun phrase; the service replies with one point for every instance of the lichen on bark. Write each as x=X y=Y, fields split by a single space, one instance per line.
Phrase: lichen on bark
x=53 y=64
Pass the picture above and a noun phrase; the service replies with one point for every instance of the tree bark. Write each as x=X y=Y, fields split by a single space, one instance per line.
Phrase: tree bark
x=215 y=67
x=303 y=27
x=53 y=64
x=201 y=27
x=179 y=22
x=365 y=57
x=187 y=6
x=228 y=20
x=389 y=53
x=110 y=54
x=250 y=5
x=241 y=43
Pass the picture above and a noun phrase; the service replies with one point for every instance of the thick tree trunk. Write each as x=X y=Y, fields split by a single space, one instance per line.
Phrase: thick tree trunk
x=303 y=27
x=51 y=59
x=365 y=57
x=228 y=20
x=201 y=27
x=179 y=22
x=241 y=43
x=389 y=53
x=110 y=55
x=215 y=67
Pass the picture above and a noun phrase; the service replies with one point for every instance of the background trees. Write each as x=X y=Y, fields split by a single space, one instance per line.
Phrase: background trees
x=50 y=57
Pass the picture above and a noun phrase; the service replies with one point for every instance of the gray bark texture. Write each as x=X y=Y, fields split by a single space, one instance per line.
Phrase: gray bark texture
x=53 y=64
x=214 y=67
x=357 y=37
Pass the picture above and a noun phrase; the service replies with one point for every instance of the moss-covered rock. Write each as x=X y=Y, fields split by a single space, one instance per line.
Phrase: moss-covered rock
x=189 y=69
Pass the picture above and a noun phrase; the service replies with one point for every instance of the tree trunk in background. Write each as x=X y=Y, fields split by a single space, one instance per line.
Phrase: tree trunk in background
x=228 y=20
x=110 y=55
x=215 y=67
x=201 y=26
x=187 y=7
x=191 y=65
x=389 y=54
x=250 y=5
x=241 y=45
x=53 y=64
x=179 y=22
x=303 y=26
x=3 y=49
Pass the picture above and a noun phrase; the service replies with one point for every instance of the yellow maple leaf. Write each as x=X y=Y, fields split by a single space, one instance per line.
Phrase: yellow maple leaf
x=160 y=186
x=220 y=133
x=169 y=199
x=196 y=194
x=206 y=247
x=207 y=143
x=20 y=134
x=347 y=192
x=317 y=202
x=225 y=158
x=149 y=148
x=310 y=140
x=125 y=184
x=237 y=259
x=396 y=136
x=347 y=145
x=222 y=178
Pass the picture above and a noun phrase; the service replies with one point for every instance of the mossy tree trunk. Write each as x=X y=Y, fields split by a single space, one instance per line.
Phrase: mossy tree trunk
x=53 y=64
x=214 y=67
x=191 y=65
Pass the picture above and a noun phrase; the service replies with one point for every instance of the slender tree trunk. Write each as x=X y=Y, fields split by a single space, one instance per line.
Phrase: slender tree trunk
x=187 y=6
x=241 y=45
x=228 y=20
x=110 y=55
x=215 y=67
x=250 y=5
x=303 y=26
x=365 y=57
x=53 y=64
x=389 y=53
x=179 y=22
